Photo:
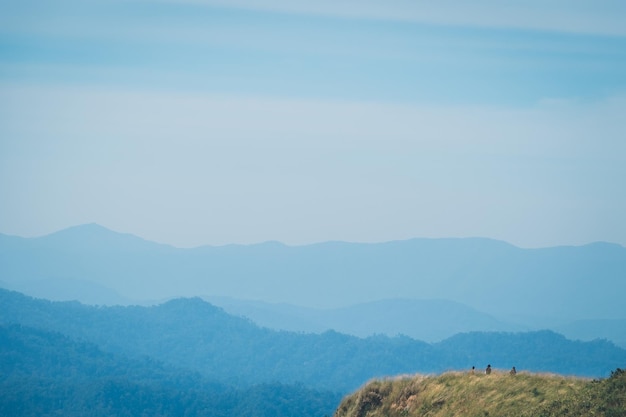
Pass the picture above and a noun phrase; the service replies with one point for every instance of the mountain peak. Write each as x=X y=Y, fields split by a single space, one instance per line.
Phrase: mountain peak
x=82 y=230
x=96 y=236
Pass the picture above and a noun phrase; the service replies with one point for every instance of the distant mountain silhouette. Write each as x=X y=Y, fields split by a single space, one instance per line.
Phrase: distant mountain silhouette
x=614 y=330
x=428 y=320
x=537 y=288
x=60 y=289
x=92 y=236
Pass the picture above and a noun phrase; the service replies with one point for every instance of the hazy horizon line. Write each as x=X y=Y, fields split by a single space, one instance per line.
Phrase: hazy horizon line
x=303 y=244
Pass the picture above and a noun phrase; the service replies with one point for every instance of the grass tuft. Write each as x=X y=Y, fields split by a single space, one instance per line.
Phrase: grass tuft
x=499 y=394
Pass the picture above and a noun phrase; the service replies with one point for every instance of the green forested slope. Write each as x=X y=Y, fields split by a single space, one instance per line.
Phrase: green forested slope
x=48 y=374
x=194 y=335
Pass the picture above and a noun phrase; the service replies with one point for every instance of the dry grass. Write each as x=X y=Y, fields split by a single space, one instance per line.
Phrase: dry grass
x=460 y=394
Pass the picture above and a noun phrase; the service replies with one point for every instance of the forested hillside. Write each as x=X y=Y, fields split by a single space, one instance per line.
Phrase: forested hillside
x=573 y=283
x=193 y=334
x=45 y=374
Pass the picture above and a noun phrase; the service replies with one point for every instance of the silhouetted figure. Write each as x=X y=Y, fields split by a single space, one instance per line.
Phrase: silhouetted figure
x=488 y=370
x=473 y=370
x=513 y=371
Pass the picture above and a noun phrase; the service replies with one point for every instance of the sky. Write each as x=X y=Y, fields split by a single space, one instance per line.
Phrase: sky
x=208 y=122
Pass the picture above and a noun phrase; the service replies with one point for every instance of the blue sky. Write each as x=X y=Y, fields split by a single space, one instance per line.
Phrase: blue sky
x=214 y=122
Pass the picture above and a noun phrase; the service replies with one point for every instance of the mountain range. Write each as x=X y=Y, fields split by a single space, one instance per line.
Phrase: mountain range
x=187 y=355
x=428 y=289
x=427 y=320
x=195 y=335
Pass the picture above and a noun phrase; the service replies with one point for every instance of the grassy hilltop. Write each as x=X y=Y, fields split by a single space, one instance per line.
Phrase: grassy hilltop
x=499 y=394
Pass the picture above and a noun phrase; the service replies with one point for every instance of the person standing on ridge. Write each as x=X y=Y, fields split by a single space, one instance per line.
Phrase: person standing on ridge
x=488 y=370
x=513 y=371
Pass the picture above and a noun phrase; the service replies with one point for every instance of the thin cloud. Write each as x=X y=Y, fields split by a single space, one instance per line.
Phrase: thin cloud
x=604 y=17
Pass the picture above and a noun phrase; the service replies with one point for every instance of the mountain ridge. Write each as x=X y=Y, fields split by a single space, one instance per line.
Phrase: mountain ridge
x=198 y=336
x=428 y=320
x=532 y=288
x=98 y=229
x=556 y=285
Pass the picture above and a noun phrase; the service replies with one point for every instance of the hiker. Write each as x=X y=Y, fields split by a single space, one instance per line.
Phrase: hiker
x=513 y=371
x=488 y=370
x=473 y=370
